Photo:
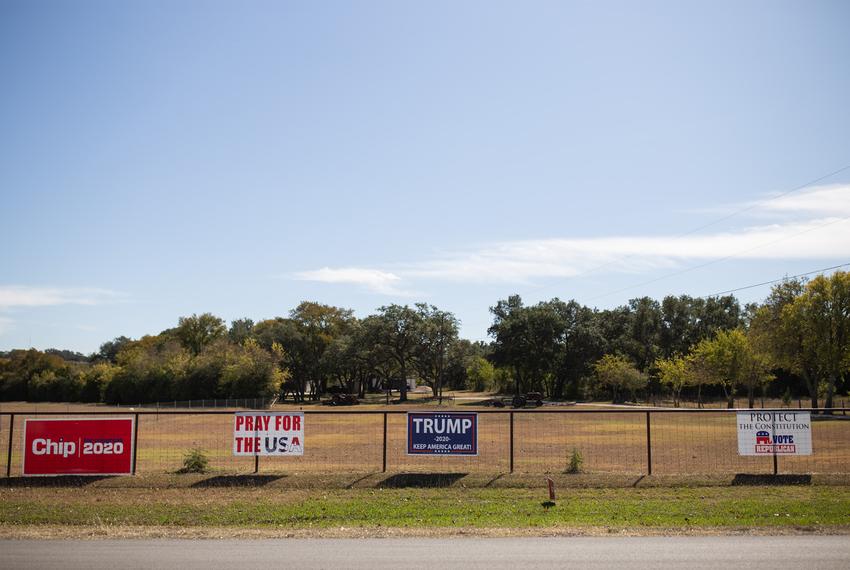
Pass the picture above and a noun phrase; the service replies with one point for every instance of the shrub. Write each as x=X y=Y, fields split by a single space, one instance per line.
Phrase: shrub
x=195 y=461
x=574 y=462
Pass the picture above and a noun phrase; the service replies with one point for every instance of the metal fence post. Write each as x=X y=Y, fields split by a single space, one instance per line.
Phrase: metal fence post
x=9 y=456
x=773 y=437
x=135 y=442
x=648 y=445
x=384 y=468
x=512 y=440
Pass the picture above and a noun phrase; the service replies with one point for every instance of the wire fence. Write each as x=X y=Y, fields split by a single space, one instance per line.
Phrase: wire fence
x=621 y=441
x=210 y=403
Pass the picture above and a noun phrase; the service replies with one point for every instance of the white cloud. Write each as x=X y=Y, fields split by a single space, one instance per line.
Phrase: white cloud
x=373 y=280
x=817 y=201
x=521 y=261
x=811 y=225
x=5 y=325
x=12 y=296
x=832 y=200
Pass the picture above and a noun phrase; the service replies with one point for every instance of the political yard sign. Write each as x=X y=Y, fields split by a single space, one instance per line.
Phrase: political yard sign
x=267 y=433
x=437 y=433
x=769 y=433
x=82 y=446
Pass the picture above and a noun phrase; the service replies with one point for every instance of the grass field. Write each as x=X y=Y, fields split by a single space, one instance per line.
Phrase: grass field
x=23 y=511
x=611 y=441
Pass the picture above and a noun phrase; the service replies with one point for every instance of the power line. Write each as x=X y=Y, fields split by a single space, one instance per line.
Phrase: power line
x=776 y=280
x=726 y=217
x=767 y=200
x=712 y=262
x=695 y=230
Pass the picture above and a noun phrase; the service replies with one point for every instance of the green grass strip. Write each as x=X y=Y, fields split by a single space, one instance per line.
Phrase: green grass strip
x=481 y=508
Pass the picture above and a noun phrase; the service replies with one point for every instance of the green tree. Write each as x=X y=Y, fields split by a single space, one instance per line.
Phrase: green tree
x=716 y=314
x=621 y=375
x=23 y=367
x=250 y=372
x=398 y=333
x=95 y=380
x=777 y=328
x=197 y=331
x=109 y=350
x=511 y=346
x=240 y=330
x=481 y=375
x=730 y=360
x=582 y=344
x=675 y=373
x=530 y=341
x=438 y=332
x=461 y=354
x=373 y=351
x=823 y=314
x=678 y=325
x=317 y=325
x=644 y=332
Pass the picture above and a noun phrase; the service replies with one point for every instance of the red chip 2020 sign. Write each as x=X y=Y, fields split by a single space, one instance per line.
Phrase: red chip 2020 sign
x=90 y=446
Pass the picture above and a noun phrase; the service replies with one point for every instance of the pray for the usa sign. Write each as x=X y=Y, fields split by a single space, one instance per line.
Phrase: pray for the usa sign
x=438 y=433
x=268 y=433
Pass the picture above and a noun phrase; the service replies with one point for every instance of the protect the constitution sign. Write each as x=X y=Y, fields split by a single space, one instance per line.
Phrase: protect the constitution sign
x=268 y=433
x=84 y=446
x=779 y=433
x=436 y=433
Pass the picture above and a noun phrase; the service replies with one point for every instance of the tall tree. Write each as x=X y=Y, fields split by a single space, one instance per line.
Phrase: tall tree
x=678 y=325
x=511 y=342
x=530 y=341
x=197 y=331
x=823 y=312
x=644 y=331
x=398 y=330
x=318 y=326
x=438 y=332
x=583 y=344
x=716 y=314
x=240 y=330
x=778 y=329
x=109 y=350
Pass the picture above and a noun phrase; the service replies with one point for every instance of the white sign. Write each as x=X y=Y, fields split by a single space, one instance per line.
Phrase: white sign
x=769 y=433
x=268 y=433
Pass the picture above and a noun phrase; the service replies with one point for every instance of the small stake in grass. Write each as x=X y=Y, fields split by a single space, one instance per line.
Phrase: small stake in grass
x=551 y=501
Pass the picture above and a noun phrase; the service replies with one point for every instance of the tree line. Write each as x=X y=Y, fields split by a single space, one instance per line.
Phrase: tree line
x=794 y=344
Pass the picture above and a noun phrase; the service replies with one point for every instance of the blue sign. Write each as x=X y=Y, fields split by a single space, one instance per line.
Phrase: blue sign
x=437 y=433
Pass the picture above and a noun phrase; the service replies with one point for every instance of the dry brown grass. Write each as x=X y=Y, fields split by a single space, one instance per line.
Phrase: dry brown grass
x=610 y=442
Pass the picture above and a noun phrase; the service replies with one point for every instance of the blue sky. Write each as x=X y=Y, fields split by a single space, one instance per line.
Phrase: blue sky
x=159 y=159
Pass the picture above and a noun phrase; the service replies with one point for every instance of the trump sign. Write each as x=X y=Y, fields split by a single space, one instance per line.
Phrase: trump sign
x=268 y=433
x=85 y=446
x=436 y=433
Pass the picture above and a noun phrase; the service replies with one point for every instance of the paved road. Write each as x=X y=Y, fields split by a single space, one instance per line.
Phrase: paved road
x=737 y=553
